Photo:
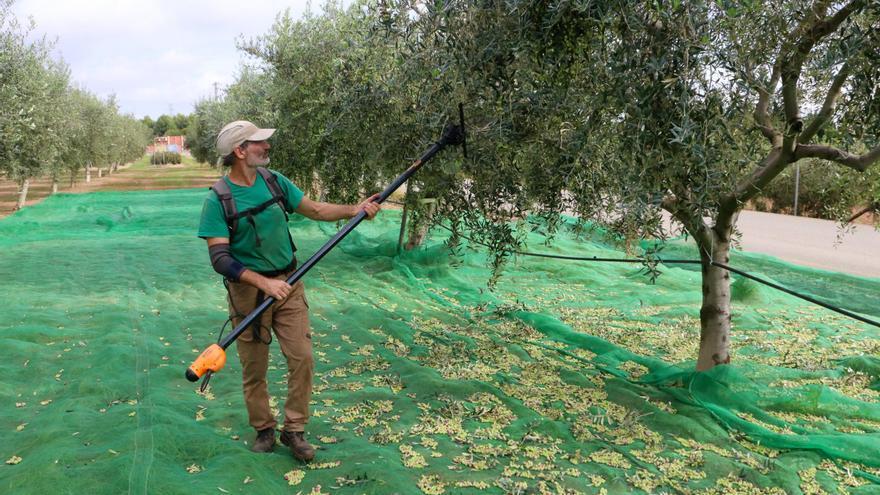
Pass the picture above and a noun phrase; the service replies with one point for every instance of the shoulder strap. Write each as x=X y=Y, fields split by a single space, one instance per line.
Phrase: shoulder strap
x=274 y=188
x=277 y=196
x=224 y=193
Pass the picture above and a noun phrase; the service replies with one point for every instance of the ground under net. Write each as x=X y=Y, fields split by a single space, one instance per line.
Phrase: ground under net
x=568 y=378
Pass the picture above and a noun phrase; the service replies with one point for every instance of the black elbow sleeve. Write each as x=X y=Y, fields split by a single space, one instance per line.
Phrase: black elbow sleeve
x=224 y=263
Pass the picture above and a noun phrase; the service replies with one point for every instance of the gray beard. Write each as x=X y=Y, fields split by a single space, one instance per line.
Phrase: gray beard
x=259 y=163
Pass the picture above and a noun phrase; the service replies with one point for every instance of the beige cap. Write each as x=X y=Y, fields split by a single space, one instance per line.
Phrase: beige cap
x=235 y=133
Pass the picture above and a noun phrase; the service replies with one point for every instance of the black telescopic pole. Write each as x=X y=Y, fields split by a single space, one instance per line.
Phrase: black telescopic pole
x=453 y=134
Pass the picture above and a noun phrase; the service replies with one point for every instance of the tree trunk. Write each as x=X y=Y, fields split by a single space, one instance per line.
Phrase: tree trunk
x=315 y=189
x=88 y=172
x=715 y=312
x=416 y=236
x=402 y=228
x=54 y=185
x=100 y=170
x=22 y=193
x=421 y=220
x=72 y=178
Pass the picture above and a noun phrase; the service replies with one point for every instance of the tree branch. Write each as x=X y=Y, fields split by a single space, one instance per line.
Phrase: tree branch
x=837 y=155
x=770 y=167
x=695 y=226
x=872 y=208
x=762 y=115
x=793 y=63
x=828 y=106
x=831 y=24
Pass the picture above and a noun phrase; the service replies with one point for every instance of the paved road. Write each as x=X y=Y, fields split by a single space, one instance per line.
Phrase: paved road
x=812 y=242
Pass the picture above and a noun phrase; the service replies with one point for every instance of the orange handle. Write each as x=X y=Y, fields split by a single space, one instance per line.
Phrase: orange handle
x=211 y=359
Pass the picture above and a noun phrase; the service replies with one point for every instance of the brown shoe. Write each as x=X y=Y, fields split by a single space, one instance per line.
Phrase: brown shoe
x=265 y=441
x=299 y=447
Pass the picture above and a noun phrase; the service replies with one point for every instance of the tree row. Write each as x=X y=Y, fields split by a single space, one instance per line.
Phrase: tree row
x=48 y=126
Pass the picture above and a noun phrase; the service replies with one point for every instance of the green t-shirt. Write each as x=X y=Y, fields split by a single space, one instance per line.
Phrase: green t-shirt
x=275 y=251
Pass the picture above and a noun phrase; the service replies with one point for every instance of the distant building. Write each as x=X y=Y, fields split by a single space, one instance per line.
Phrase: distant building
x=168 y=143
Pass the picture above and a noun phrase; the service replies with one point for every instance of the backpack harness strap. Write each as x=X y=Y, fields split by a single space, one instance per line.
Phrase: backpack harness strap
x=224 y=193
x=230 y=211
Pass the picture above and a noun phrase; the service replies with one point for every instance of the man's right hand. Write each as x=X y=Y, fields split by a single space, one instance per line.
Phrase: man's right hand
x=279 y=289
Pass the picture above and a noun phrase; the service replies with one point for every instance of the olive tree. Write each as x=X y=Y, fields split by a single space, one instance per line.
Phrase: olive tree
x=128 y=139
x=40 y=149
x=34 y=101
x=745 y=92
x=617 y=111
x=96 y=116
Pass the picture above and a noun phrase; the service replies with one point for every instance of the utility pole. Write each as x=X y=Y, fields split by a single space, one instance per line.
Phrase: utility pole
x=216 y=92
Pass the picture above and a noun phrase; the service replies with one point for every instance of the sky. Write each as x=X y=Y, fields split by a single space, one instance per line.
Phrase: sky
x=157 y=56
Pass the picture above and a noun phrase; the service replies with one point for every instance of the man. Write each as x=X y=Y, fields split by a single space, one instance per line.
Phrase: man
x=244 y=220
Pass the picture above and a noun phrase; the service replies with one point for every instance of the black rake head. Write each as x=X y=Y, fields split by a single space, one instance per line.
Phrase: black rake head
x=455 y=134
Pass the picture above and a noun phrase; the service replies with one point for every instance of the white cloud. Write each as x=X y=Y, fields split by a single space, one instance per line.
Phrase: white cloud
x=156 y=55
x=175 y=57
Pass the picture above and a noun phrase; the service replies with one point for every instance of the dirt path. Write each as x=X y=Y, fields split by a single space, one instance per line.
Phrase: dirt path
x=812 y=242
x=809 y=242
x=137 y=176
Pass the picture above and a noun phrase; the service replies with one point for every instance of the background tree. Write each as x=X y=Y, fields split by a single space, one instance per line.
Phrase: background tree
x=48 y=127
x=209 y=116
x=41 y=147
x=31 y=87
x=822 y=193
x=164 y=125
x=168 y=125
x=181 y=122
x=347 y=121
x=148 y=122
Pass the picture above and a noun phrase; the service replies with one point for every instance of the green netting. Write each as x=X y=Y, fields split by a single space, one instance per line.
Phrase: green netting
x=569 y=378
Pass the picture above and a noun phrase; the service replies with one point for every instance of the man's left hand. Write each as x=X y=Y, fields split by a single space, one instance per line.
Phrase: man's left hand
x=370 y=207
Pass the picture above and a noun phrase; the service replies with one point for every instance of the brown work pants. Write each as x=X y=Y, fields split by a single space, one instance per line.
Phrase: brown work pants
x=290 y=321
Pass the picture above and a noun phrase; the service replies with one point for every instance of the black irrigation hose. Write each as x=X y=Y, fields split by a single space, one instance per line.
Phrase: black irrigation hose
x=802 y=296
x=694 y=262
x=593 y=258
